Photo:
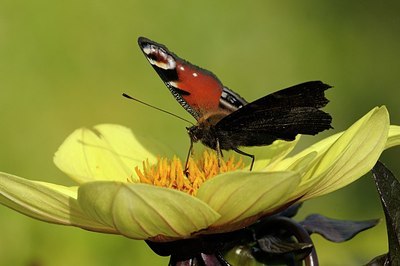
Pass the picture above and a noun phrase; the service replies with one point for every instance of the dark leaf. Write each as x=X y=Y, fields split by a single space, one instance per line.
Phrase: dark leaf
x=291 y=211
x=389 y=190
x=275 y=242
x=272 y=250
x=275 y=245
x=382 y=260
x=201 y=259
x=335 y=230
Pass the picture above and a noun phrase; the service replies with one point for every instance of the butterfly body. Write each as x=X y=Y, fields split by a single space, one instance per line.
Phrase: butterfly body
x=225 y=121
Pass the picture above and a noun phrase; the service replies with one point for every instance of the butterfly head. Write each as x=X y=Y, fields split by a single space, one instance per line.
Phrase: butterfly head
x=205 y=130
x=193 y=132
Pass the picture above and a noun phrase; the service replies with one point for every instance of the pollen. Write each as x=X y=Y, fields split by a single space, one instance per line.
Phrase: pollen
x=171 y=173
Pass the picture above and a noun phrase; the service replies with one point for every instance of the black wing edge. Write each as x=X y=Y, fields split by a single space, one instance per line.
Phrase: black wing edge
x=281 y=115
x=305 y=94
x=143 y=41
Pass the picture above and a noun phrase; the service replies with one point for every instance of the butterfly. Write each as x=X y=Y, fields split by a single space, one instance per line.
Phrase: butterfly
x=226 y=121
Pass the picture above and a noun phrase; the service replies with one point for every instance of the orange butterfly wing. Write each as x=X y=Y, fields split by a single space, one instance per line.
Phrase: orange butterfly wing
x=198 y=90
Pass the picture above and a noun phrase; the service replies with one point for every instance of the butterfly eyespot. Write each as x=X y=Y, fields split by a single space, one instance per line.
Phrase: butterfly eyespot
x=148 y=49
x=159 y=57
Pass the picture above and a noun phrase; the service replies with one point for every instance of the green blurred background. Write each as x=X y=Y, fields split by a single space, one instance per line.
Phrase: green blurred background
x=64 y=65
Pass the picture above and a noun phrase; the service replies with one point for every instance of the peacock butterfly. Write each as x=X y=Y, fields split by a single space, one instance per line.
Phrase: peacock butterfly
x=226 y=121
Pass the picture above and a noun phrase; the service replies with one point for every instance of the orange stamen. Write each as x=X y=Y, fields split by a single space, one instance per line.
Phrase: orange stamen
x=170 y=173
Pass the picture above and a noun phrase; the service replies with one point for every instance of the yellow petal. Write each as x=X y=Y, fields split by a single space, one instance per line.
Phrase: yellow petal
x=272 y=154
x=239 y=195
x=46 y=202
x=141 y=211
x=394 y=137
x=313 y=152
x=108 y=152
x=351 y=156
x=320 y=147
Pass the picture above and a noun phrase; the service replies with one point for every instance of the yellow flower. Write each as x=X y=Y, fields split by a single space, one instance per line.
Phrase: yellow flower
x=125 y=189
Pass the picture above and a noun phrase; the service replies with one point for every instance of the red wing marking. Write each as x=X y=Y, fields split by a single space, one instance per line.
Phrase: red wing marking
x=204 y=89
x=198 y=90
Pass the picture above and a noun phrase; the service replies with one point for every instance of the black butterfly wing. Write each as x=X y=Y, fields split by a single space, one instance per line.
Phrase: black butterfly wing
x=280 y=115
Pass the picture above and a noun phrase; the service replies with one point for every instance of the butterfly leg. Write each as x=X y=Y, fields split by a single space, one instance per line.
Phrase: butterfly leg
x=187 y=158
x=246 y=154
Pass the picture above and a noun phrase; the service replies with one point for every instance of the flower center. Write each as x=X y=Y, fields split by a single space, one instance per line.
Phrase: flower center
x=171 y=174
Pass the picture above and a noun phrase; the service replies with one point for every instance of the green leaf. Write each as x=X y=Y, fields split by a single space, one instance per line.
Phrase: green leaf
x=240 y=195
x=109 y=152
x=142 y=211
x=46 y=202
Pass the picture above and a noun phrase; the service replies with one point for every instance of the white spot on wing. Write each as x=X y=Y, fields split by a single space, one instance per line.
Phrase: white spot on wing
x=195 y=74
x=146 y=49
x=182 y=68
x=173 y=84
x=171 y=62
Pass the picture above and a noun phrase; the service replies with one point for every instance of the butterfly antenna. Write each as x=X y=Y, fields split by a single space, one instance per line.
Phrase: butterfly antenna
x=155 y=107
